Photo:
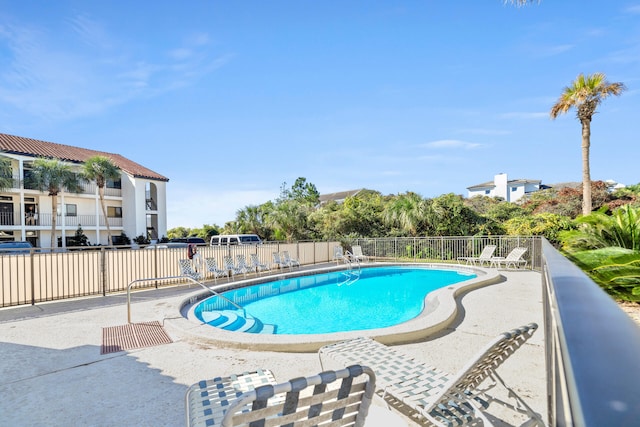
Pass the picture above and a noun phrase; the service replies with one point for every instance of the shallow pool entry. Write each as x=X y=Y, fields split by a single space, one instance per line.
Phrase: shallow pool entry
x=337 y=301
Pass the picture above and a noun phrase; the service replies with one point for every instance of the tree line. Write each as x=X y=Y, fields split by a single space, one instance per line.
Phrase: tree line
x=297 y=214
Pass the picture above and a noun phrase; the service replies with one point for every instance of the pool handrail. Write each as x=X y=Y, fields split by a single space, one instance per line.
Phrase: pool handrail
x=244 y=311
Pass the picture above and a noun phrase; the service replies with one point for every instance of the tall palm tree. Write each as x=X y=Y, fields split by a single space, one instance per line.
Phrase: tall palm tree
x=6 y=173
x=52 y=176
x=585 y=94
x=100 y=169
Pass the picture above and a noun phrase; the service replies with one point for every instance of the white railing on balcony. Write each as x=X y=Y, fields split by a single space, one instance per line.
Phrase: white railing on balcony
x=44 y=219
x=86 y=187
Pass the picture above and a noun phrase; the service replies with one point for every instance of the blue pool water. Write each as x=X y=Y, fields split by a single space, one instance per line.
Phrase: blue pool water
x=370 y=298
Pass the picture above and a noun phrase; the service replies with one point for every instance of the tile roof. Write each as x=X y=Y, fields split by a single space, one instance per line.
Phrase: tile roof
x=339 y=196
x=491 y=184
x=35 y=148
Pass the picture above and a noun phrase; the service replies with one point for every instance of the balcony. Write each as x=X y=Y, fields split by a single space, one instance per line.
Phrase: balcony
x=85 y=187
x=44 y=220
x=83 y=220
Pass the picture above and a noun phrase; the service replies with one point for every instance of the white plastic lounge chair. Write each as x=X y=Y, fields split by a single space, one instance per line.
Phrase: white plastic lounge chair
x=277 y=260
x=290 y=262
x=257 y=265
x=230 y=266
x=358 y=255
x=255 y=399
x=485 y=256
x=242 y=265
x=186 y=269
x=442 y=399
x=212 y=267
x=340 y=255
x=514 y=258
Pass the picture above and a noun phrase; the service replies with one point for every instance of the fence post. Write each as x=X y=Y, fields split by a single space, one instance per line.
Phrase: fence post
x=33 y=282
x=103 y=271
x=395 y=249
x=155 y=264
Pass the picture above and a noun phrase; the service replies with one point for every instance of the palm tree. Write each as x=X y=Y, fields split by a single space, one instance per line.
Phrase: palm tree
x=585 y=94
x=52 y=176
x=100 y=169
x=6 y=173
x=407 y=212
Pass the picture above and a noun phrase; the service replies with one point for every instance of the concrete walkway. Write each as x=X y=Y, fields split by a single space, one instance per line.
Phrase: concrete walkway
x=52 y=372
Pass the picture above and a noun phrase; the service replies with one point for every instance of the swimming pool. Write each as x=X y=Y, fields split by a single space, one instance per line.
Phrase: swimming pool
x=329 y=302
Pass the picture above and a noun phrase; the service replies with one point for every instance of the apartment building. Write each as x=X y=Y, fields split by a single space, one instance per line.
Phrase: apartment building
x=135 y=203
x=511 y=190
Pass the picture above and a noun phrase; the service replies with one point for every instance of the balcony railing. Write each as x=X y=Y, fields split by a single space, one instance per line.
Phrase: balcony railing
x=85 y=187
x=44 y=219
x=84 y=220
x=9 y=218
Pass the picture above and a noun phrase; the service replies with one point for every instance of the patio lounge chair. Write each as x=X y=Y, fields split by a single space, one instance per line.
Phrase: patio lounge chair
x=231 y=267
x=257 y=265
x=242 y=265
x=255 y=399
x=514 y=258
x=290 y=262
x=358 y=255
x=277 y=260
x=442 y=399
x=485 y=256
x=212 y=267
x=186 y=269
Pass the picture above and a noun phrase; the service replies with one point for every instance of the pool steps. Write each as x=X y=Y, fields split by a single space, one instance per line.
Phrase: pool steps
x=229 y=320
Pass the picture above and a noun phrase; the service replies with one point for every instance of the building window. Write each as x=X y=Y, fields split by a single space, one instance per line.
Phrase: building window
x=514 y=188
x=114 y=211
x=114 y=183
x=487 y=191
x=72 y=210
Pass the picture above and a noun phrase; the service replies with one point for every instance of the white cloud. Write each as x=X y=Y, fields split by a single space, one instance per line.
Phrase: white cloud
x=87 y=70
x=523 y=115
x=635 y=9
x=91 y=32
x=556 y=50
x=481 y=131
x=452 y=143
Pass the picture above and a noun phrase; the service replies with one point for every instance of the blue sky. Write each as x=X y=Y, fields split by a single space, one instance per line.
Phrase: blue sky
x=229 y=99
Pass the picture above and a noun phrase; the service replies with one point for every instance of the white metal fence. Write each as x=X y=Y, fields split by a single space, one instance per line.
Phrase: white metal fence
x=38 y=276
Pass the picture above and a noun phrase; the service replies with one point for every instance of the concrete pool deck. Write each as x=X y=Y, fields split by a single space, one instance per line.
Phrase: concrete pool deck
x=52 y=372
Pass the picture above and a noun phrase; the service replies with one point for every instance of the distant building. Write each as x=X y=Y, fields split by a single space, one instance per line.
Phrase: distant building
x=338 y=197
x=613 y=185
x=510 y=190
x=135 y=203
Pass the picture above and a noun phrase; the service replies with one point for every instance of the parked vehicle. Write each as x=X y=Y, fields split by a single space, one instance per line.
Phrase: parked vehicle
x=194 y=240
x=15 y=247
x=235 y=239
